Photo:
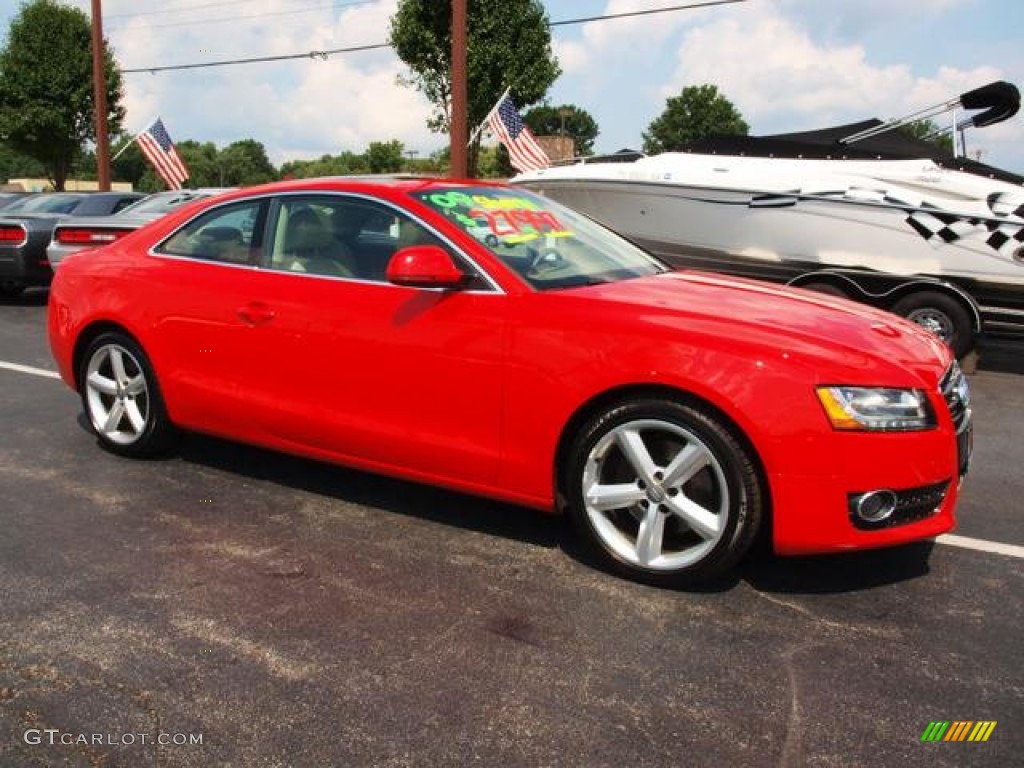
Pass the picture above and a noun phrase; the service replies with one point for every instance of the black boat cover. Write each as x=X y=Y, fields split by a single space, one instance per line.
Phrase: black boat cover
x=826 y=144
x=1000 y=100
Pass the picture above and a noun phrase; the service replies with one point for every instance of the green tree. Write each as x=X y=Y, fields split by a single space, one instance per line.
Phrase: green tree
x=493 y=163
x=566 y=119
x=697 y=112
x=928 y=130
x=344 y=164
x=441 y=160
x=244 y=162
x=508 y=45
x=46 y=94
x=130 y=164
x=203 y=164
x=15 y=165
x=385 y=156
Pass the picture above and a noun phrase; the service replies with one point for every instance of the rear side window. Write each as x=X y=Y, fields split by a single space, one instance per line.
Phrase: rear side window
x=340 y=236
x=230 y=234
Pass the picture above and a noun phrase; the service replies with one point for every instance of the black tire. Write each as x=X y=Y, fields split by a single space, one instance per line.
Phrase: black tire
x=941 y=314
x=827 y=288
x=727 y=493
x=126 y=412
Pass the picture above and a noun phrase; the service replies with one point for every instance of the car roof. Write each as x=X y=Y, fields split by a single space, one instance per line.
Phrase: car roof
x=397 y=184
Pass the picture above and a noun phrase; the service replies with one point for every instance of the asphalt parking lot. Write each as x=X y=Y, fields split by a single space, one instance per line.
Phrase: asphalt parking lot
x=289 y=613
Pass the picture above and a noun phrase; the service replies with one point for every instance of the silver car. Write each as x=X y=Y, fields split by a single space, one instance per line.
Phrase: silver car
x=94 y=231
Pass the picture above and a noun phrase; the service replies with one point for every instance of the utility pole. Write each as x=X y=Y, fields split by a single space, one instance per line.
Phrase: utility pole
x=459 y=127
x=99 y=91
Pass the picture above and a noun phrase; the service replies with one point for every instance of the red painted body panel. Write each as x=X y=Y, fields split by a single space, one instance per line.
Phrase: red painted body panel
x=473 y=390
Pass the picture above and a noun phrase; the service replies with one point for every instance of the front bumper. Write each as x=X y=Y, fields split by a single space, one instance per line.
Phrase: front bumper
x=920 y=471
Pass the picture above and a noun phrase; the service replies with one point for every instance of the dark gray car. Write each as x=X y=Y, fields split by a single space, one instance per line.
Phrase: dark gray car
x=83 y=233
x=26 y=227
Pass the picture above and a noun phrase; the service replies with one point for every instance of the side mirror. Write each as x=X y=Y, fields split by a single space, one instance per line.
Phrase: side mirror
x=425 y=266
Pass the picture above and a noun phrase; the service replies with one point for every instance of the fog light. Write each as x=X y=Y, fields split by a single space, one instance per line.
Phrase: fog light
x=874 y=506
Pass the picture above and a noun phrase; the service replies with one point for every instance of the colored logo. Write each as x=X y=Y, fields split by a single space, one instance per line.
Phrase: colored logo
x=959 y=730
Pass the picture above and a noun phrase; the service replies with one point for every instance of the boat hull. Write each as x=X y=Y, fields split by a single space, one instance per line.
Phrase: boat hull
x=877 y=247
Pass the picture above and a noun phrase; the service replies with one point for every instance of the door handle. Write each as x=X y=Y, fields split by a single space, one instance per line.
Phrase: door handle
x=256 y=314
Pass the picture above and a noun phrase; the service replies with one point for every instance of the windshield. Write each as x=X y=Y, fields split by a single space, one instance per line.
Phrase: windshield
x=548 y=245
x=162 y=202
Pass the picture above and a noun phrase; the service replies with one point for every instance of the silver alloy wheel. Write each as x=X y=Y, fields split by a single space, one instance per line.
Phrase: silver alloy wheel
x=655 y=494
x=934 y=320
x=117 y=395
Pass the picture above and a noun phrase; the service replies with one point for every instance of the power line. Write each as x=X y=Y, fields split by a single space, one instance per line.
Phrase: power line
x=648 y=12
x=323 y=55
x=175 y=9
x=226 y=19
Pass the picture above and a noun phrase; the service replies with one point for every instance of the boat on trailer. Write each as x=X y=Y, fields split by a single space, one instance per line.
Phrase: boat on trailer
x=861 y=211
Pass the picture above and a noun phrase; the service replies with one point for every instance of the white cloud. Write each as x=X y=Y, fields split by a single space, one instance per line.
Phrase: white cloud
x=777 y=75
x=306 y=107
x=789 y=64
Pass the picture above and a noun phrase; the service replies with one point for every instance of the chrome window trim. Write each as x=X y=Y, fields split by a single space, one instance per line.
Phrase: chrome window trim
x=206 y=262
x=196 y=259
x=496 y=287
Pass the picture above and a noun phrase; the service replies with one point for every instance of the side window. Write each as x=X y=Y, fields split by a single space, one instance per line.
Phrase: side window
x=335 y=236
x=341 y=236
x=227 y=234
x=308 y=237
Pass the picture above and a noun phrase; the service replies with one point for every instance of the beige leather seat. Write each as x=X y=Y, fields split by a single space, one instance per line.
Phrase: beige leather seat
x=309 y=246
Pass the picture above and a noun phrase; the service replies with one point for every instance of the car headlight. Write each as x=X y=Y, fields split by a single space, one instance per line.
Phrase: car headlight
x=880 y=409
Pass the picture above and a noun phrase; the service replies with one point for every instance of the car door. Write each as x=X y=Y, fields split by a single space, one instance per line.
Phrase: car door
x=204 y=327
x=354 y=366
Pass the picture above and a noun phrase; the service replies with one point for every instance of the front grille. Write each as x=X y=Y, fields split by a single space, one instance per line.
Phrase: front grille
x=957 y=395
x=912 y=505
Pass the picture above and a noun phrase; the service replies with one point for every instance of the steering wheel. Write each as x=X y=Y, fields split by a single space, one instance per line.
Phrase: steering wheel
x=546 y=261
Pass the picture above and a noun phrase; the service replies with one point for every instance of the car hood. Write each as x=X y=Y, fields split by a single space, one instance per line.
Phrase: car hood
x=822 y=330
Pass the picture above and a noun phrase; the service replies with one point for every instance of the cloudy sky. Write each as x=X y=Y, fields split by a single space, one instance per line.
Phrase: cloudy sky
x=786 y=64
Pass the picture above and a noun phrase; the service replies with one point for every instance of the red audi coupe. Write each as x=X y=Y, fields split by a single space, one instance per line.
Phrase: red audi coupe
x=486 y=339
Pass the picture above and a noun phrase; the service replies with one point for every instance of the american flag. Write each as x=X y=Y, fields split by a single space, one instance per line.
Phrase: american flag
x=523 y=149
x=158 y=148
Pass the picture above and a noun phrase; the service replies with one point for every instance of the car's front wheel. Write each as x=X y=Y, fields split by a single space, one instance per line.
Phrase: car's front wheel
x=663 y=492
x=122 y=399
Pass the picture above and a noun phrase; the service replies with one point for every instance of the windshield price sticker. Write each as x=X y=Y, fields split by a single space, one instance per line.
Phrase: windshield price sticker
x=514 y=219
x=514 y=223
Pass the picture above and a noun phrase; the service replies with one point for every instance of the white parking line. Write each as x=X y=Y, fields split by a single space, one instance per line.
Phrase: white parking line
x=981 y=545
x=30 y=370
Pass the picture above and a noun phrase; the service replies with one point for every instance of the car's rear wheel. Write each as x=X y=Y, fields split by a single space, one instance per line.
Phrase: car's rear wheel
x=663 y=492
x=942 y=315
x=122 y=399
